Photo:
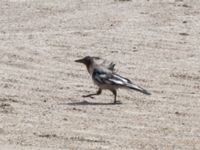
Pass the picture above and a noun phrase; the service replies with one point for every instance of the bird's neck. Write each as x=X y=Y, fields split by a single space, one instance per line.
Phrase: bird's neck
x=90 y=67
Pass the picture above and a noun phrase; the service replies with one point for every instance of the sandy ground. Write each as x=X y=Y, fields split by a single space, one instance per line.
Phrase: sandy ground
x=155 y=43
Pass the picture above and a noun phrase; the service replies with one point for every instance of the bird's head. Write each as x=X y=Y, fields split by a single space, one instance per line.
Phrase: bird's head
x=88 y=60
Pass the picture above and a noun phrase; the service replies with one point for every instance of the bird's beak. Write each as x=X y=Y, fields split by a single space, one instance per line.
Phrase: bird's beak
x=79 y=60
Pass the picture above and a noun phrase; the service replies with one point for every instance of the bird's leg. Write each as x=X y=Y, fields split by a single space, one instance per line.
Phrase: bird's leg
x=97 y=93
x=115 y=96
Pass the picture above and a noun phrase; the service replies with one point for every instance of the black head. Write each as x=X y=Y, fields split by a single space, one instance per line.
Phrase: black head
x=86 y=60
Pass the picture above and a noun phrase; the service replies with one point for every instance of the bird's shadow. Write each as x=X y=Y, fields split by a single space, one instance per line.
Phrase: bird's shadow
x=92 y=103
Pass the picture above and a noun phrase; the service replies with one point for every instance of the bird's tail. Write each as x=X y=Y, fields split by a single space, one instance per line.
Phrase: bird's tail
x=138 y=88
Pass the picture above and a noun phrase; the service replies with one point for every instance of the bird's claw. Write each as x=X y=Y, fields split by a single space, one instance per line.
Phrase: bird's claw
x=88 y=96
x=117 y=102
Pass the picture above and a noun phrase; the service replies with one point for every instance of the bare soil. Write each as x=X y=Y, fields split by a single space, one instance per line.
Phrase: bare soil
x=155 y=43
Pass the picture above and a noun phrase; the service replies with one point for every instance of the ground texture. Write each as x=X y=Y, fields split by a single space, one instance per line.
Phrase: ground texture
x=155 y=43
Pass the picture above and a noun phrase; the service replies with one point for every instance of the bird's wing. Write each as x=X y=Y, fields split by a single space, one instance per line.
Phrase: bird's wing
x=107 y=77
x=102 y=76
x=111 y=66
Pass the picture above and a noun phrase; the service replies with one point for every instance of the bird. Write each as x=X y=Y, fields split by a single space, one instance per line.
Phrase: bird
x=105 y=77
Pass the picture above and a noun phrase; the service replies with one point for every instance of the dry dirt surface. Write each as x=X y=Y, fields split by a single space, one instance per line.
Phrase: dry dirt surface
x=155 y=43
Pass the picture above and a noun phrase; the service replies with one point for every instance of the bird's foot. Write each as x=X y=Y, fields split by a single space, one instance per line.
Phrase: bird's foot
x=117 y=102
x=88 y=96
